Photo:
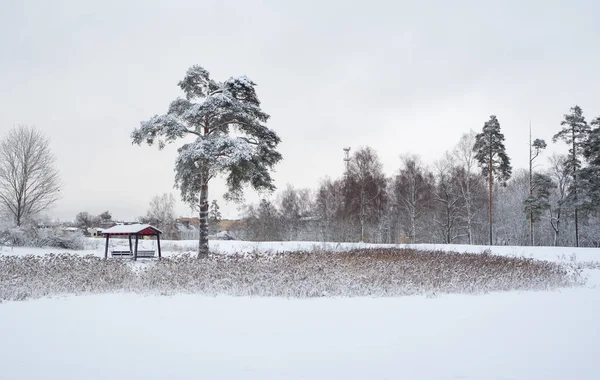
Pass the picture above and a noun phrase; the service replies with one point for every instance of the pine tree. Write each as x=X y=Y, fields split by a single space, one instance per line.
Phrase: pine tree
x=575 y=132
x=590 y=175
x=535 y=148
x=231 y=139
x=538 y=200
x=214 y=213
x=490 y=154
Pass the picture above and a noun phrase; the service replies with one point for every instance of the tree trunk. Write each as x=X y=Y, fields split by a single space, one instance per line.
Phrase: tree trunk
x=203 y=235
x=530 y=189
x=491 y=181
x=575 y=188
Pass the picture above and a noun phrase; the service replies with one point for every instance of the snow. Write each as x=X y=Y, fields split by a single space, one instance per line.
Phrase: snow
x=128 y=229
x=513 y=335
x=170 y=247
x=531 y=336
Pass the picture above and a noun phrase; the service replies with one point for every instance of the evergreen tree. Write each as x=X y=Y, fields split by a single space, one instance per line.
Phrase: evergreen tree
x=214 y=217
x=575 y=133
x=535 y=148
x=490 y=154
x=538 y=200
x=105 y=216
x=214 y=214
x=231 y=139
x=590 y=175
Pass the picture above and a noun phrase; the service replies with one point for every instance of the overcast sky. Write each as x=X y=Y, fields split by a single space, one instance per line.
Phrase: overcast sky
x=399 y=76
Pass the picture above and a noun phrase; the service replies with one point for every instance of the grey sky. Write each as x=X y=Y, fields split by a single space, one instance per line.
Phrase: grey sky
x=398 y=76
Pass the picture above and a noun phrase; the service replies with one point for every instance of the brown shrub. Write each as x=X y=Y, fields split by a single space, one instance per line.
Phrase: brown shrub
x=361 y=272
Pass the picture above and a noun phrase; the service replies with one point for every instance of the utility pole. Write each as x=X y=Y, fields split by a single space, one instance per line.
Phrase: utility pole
x=347 y=159
x=531 y=236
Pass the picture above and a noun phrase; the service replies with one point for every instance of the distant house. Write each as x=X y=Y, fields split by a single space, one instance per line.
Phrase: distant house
x=189 y=221
x=95 y=232
x=71 y=229
x=187 y=231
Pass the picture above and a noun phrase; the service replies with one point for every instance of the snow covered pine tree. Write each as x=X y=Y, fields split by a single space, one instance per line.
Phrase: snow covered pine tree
x=231 y=139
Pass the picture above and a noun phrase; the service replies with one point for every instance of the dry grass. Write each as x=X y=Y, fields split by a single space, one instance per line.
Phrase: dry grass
x=362 y=272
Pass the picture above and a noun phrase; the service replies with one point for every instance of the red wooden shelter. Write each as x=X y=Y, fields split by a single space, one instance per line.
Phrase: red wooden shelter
x=130 y=230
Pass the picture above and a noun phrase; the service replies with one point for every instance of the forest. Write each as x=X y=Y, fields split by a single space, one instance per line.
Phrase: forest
x=551 y=203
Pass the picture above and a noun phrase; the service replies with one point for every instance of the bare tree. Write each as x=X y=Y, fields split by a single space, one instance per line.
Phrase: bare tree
x=29 y=181
x=289 y=206
x=559 y=172
x=465 y=158
x=365 y=185
x=161 y=213
x=413 y=189
x=84 y=220
x=449 y=199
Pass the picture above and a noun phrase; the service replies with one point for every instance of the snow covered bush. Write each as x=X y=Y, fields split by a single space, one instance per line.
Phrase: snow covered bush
x=30 y=276
x=32 y=236
x=362 y=272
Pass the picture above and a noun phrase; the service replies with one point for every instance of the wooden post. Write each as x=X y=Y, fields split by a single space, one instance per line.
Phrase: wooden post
x=130 y=248
x=136 y=247
x=158 y=243
x=106 y=248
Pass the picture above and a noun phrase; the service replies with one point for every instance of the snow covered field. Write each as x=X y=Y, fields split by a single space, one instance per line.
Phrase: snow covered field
x=95 y=246
x=514 y=335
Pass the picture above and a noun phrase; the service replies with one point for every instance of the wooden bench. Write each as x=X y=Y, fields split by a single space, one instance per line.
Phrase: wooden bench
x=127 y=253
x=146 y=253
x=121 y=253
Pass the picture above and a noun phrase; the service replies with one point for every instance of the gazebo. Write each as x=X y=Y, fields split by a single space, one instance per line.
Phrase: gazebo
x=130 y=230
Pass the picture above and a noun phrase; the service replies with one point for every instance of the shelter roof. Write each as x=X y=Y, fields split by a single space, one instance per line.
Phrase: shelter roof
x=132 y=229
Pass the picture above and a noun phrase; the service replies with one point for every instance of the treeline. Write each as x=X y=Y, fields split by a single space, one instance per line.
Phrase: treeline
x=449 y=201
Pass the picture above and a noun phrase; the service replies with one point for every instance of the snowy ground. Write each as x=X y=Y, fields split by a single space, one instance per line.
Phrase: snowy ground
x=95 y=246
x=516 y=335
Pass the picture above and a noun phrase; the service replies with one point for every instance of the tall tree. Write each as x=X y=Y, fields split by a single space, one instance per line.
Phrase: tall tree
x=449 y=199
x=289 y=206
x=574 y=132
x=231 y=139
x=559 y=173
x=590 y=175
x=29 y=181
x=365 y=185
x=535 y=148
x=538 y=201
x=413 y=188
x=490 y=154
x=470 y=184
